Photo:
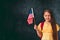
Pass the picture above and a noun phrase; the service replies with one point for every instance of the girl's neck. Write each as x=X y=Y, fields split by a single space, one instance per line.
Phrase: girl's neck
x=47 y=22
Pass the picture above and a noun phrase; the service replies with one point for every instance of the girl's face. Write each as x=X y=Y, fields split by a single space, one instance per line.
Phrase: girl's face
x=47 y=16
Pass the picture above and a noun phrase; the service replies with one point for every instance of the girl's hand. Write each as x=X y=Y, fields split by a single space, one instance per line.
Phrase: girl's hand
x=35 y=27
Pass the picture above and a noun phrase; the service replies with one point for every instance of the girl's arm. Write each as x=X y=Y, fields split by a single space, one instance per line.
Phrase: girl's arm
x=58 y=27
x=38 y=32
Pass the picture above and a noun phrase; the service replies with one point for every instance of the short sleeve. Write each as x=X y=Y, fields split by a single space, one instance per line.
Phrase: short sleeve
x=39 y=28
x=57 y=27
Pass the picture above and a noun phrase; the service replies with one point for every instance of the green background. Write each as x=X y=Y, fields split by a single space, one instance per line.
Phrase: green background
x=14 y=13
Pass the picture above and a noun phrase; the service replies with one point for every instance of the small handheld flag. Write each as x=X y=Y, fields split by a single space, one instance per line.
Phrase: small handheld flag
x=30 y=16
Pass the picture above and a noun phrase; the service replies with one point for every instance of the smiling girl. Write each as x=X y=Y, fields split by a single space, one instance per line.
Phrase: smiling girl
x=50 y=28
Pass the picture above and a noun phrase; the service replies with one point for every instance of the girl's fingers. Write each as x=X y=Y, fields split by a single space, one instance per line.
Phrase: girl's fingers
x=35 y=27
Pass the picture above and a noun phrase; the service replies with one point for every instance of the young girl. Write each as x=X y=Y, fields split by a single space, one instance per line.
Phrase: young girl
x=50 y=28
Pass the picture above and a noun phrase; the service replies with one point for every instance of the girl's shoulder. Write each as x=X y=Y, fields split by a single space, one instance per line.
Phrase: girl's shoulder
x=41 y=22
x=57 y=24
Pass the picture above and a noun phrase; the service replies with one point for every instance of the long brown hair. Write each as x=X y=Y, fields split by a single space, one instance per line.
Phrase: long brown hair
x=53 y=23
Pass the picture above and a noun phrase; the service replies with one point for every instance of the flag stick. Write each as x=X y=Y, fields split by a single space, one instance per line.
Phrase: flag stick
x=34 y=22
x=33 y=16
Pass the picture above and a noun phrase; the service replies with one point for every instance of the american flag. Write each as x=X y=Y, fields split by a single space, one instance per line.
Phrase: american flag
x=30 y=16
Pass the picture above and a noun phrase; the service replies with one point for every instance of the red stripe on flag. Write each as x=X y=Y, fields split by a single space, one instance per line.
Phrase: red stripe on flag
x=30 y=19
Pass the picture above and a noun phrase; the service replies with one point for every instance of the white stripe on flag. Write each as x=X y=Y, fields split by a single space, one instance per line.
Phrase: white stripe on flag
x=32 y=12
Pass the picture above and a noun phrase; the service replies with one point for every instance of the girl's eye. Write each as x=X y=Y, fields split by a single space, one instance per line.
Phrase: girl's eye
x=45 y=15
x=48 y=15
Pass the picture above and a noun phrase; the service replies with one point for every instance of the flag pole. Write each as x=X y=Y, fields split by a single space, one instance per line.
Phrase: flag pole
x=33 y=16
